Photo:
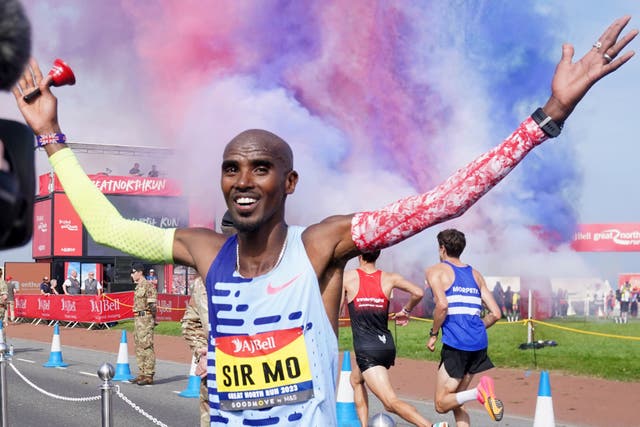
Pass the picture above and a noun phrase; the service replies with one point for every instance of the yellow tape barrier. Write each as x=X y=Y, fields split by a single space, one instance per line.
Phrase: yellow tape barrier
x=130 y=306
x=599 y=334
x=551 y=325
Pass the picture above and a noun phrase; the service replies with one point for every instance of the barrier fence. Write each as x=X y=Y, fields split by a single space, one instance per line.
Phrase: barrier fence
x=93 y=308
x=105 y=373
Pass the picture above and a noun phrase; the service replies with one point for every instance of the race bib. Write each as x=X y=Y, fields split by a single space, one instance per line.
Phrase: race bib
x=263 y=370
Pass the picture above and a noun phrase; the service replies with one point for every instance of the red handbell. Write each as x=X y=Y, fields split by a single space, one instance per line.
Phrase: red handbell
x=61 y=74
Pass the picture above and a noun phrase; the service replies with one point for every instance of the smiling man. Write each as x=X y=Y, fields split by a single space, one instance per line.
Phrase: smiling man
x=274 y=290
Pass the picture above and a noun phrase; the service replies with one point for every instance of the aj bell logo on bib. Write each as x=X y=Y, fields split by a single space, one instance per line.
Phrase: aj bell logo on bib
x=252 y=345
x=263 y=370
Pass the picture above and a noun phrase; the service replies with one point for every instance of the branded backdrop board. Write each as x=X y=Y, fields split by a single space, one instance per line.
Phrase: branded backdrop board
x=41 y=243
x=616 y=237
x=67 y=228
x=164 y=212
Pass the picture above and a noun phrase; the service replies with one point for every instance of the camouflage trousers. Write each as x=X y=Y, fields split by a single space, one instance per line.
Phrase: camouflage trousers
x=204 y=403
x=143 y=338
x=3 y=310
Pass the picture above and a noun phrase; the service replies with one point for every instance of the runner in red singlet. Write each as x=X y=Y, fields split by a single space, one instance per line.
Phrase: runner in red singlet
x=367 y=291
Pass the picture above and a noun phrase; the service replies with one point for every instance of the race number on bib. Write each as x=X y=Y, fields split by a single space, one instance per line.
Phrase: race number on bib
x=263 y=370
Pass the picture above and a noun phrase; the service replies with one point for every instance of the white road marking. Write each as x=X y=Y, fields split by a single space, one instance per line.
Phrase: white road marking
x=26 y=360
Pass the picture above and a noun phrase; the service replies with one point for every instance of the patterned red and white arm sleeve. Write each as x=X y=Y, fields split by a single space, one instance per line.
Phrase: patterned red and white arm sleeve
x=385 y=227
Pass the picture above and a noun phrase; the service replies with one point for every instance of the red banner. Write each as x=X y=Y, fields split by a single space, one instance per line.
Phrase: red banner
x=76 y=308
x=622 y=237
x=94 y=309
x=41 y=243
x=139 y=185
x=171 y=307
x=67 y=233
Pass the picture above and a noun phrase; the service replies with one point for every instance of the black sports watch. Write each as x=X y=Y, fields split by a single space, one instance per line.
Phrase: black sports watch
x=548 y=126
x=433 y=334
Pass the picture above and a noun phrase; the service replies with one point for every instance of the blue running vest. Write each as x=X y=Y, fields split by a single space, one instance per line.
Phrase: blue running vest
x=273 y=356
x=463 y=328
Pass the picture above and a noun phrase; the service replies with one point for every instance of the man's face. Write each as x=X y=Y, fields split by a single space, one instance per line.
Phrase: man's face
x=45 y=279
x=91 y=275
x=255 y=182
x=74 y=274
x=136 y=276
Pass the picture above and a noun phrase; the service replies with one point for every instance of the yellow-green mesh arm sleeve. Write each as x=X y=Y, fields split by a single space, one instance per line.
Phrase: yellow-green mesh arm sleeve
x=103 y=221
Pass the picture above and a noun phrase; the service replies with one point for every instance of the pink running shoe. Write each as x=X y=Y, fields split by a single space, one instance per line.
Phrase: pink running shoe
x=487 y=397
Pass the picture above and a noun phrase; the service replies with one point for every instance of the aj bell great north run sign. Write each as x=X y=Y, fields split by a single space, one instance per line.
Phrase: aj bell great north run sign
x=621 y=237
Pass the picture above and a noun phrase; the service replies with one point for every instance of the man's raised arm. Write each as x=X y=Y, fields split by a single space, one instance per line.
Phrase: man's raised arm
x=102 y=220
x=571 y=81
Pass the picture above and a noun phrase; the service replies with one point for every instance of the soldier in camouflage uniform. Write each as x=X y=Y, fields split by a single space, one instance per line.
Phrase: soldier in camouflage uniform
x=4 y=294
x=195 y=328
x=144 y=312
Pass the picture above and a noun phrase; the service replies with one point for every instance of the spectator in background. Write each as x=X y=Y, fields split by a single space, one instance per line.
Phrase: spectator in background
x=633 y=305
x=12 y=288
x=563 y=301
x=46 y=288
x=498 y=296
x=154 y=172
x=625 y=300
x=428 y=302
x=610 y=303
x=91 y=286
x=515 y=306
x=135 y=170
x=153 y=278
x=71 y=286
x=54 y=287
x=508 y=304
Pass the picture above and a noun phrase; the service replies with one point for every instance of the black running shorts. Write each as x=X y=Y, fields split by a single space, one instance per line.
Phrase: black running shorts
x=458 y=363
x=369 y=358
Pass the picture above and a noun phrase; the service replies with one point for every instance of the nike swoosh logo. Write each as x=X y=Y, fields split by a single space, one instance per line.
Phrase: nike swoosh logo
x=272 y=290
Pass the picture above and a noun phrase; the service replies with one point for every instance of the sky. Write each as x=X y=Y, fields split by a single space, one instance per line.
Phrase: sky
x=378 y=99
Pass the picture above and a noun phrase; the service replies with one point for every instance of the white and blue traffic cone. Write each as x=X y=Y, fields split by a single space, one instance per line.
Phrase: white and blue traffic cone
x=544 y=405
x=193 y=386
x=55 y=357
x=2 y=340
x=345 y=405
x=123 y=370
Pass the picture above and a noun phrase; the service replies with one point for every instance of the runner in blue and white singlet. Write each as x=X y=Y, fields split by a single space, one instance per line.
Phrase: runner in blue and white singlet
x=463 y=328
x=279 y=352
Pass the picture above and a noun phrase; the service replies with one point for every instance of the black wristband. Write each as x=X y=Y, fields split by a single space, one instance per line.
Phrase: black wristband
x=431 y=334
x=548 y=126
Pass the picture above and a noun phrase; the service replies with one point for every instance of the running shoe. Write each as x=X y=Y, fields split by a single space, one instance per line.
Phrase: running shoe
x=487 y=397
x=441 y=424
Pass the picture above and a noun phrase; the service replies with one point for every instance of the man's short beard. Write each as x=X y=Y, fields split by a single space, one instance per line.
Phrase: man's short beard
x=242 y=227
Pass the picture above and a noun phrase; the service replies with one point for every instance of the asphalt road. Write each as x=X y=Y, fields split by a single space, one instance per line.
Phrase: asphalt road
x=29 y=407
